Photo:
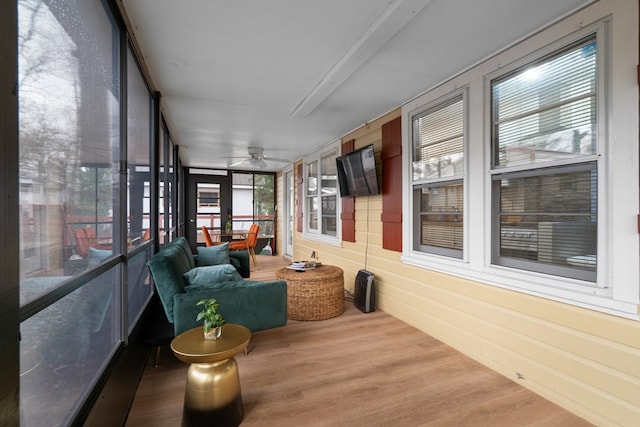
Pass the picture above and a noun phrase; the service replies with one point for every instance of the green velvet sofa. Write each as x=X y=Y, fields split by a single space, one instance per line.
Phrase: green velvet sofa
x=182 y=279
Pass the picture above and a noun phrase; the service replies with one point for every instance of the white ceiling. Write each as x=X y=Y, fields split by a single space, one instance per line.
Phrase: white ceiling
x=290 y=76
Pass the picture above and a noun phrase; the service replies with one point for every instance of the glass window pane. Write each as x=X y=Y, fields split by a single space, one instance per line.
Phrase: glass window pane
x=243 y=188
x=329 y=190
x=312 y=179
x=209 y=198
x=550 y=219
x=312 y=211
x=547 y=111
x=312 y=193
x=139 y=289
x=254 y=203
x=441 y=216
x=264 y=201
x=440 y=160
x=208 y=213
x=139 y=105
x=329 y=221
x=68 y=135
x=438 y=141
x=64 y=348
x=170 y=225
x=329 y=177
x=69 y=145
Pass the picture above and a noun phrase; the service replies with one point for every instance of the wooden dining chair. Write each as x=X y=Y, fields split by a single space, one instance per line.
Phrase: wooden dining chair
x=248 y=244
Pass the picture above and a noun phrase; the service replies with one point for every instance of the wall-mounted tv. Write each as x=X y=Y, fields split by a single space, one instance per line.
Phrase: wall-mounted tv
x=357 y=173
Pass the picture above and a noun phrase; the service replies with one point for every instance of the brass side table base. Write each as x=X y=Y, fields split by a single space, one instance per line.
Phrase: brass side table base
x=212 y=394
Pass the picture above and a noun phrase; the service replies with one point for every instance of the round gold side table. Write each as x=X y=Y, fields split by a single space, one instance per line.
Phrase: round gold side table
x=212 y=395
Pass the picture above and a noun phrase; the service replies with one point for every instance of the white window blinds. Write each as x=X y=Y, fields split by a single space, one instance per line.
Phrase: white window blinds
x=547 y=111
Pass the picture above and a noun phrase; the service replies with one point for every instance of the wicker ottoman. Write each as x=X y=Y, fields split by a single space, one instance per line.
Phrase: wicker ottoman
x=316 y=294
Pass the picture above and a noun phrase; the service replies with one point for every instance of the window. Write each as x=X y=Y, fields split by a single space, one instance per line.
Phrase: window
x=544 y=175
x=166 y=180
x=253 y=202
x=69 y=95
x=321 y=193
x=438 y=169
x=139 y=113
x=210 y=199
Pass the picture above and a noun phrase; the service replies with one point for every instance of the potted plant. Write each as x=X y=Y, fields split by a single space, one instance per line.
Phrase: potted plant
x=213 y=320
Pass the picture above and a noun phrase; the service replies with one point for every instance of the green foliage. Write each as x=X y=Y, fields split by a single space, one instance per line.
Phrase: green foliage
x=210 y=314
x=264 y=188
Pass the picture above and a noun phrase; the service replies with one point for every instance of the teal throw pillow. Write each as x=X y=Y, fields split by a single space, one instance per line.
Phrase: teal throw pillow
x=212 y=274
x=96 y=256
x=213 y=255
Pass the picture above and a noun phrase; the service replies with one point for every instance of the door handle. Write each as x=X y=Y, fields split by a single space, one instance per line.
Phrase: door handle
x=192 y=220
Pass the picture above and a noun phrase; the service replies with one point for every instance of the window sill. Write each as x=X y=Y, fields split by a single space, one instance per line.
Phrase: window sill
x=568 y=291
x=321 y=238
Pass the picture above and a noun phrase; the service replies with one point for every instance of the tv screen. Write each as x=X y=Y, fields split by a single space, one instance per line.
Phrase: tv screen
x=357 y=173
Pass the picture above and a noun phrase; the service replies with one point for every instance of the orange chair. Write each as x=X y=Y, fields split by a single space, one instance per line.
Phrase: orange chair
x=86 y=238
x=248 y=244
x=208 y=241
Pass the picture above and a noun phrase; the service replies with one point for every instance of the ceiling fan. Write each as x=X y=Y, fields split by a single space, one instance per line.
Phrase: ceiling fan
x=256 y=158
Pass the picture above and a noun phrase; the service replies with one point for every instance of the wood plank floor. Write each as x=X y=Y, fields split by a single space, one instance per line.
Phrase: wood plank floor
x=353 y=370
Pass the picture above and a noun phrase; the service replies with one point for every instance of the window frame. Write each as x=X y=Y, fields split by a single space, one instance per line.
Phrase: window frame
x=452 y=180
x=559 y=165
x=308 y=232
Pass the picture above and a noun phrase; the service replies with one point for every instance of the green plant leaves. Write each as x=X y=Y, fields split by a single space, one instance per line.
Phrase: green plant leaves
x=210 y=314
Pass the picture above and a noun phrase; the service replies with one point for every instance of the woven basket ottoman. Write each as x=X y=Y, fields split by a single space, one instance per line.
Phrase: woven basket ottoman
x=316 y=294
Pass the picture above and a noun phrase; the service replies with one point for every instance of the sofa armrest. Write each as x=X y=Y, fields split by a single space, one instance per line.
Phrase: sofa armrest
x=243 y=258
x=256 y=305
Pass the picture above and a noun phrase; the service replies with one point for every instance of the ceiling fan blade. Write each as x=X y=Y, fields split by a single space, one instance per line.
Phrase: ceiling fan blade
x=275 y=159
x=256 y=159
x=238 y=162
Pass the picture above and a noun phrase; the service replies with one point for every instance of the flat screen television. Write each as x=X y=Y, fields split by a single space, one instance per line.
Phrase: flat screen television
x=357 y=173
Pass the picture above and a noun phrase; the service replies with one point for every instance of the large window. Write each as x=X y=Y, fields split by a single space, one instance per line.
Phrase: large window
x=544 y=127
x=253 y=201
x=139 y=114
x=139 y=110
x=69 y=94
x=321 y=194
x=438 y=170
x=162 y=188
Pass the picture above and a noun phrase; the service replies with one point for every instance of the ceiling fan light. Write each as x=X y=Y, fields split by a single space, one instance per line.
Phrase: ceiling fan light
x=258 y=163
